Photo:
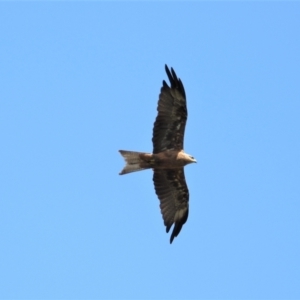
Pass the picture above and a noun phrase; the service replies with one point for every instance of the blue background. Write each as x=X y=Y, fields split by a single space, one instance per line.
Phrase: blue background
x=79 y=81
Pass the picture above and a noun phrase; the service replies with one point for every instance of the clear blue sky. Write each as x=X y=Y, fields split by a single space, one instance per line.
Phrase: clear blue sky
x=79 y=81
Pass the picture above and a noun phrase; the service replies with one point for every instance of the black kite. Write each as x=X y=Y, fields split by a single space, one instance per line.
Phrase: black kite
x=168 y=158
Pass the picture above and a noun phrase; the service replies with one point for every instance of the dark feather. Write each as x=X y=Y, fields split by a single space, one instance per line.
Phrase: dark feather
x=172 y=191
x=169 y=126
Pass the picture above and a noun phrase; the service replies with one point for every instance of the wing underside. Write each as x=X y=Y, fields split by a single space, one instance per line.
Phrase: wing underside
x=172 y=191
x=169 y=126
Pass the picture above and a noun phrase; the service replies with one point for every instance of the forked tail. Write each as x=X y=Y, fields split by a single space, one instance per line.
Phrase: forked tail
x=133 y=162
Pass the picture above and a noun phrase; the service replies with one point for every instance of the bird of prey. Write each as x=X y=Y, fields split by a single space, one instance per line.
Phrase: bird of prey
x=168 y=158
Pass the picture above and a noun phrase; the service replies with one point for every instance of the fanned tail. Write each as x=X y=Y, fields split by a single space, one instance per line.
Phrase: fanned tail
x=133 y=162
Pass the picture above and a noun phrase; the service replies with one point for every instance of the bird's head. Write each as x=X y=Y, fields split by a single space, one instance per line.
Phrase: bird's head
x=192 y=159
x=189 y=159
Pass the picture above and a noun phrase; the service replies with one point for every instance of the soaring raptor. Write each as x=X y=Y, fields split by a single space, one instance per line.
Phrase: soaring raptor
x=168 y=158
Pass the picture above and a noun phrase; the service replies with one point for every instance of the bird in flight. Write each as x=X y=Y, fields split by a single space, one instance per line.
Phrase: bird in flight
x=168 y=158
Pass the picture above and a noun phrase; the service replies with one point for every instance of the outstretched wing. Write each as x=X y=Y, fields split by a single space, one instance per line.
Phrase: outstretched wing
x=172 y=191
x=168 y=131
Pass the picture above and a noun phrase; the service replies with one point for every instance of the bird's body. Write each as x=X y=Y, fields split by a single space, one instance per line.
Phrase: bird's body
x=168 y=158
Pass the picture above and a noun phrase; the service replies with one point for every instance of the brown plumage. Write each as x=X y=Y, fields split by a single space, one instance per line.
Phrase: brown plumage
x=168 y=158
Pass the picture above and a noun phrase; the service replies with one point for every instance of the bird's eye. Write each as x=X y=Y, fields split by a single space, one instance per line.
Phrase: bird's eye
x=191 y=157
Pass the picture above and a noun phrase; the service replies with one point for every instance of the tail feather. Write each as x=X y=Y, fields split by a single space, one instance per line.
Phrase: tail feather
x=133 y=161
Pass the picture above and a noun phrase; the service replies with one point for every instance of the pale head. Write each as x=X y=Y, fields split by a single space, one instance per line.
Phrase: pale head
x=188 y=158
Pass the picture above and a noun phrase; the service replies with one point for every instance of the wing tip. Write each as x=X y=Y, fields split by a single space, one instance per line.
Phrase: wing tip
x=178 y=226
x=176 y=231
x=175 y=81
x=171 y=239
